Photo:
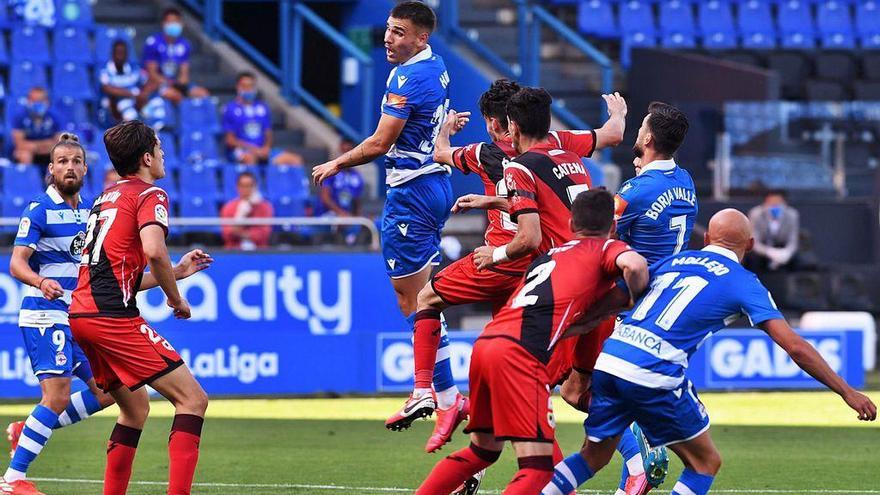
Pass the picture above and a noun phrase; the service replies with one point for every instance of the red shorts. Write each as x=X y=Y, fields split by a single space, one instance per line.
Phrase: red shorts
x=124 y=351
x=509 y=395
x=461 y=283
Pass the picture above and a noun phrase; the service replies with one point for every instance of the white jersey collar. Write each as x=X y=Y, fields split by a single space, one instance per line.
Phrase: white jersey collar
x=56 y=196
x=661 y=165
x=422 y=55
x=723 y=251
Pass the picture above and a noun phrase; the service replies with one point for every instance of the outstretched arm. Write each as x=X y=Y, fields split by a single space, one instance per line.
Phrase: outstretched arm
x=190 y=264
x=526 y=240
x=373 y=147
x=611 y=134
x=443 y=149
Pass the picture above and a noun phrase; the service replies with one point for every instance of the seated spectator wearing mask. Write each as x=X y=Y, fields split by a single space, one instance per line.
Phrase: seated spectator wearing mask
x=166 y=58
x=248 y=204
x=776 y=229
x=35 y=129
x=247 y=125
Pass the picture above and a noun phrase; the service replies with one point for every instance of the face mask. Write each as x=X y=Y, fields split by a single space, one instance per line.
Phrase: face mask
x=247 y=95
x=38 y=107
x=775 y=211
x=173 y=29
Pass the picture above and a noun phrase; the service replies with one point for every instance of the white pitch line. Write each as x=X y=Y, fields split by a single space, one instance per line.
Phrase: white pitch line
x=361 y=489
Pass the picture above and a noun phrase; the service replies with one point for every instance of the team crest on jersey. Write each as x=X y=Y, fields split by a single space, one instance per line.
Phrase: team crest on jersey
x=60 y=359
x=78 y=243
x=161 y=215
x=24 y=227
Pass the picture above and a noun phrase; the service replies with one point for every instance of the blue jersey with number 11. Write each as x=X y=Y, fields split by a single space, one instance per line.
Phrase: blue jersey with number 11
x=691 y=295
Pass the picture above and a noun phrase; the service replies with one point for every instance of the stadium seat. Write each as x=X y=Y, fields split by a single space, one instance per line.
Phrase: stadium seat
x=871 y=66
x=636 y=18
x=22 y=180
x=194 y=205
x=867 y=13
x=105 y=37
x=596 y=18
x=838 y=41
x=867 y=90
x=793 y=68
x=31 y=44
x=73 y=114
x=674 y=39
x=755 y=23
x=199 y=180
x=720 y=40
x=716 y=17
x=870 y=42
x=289 y=206
x=196 y=146
x=676 y=16
x=70 y=79
x=284 y=181
x=12 y=206
x=74 y=13
x=199 y=114
x=839 y=67
x=169 y=146
x=825 y=91
x=230 y=173
x=25 y=75
x=796 y=24
x=4 y=52
x=72 y=45
x=833 y=17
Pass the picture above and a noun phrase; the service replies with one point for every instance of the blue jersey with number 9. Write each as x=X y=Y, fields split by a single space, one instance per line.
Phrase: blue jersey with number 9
x=691 y=295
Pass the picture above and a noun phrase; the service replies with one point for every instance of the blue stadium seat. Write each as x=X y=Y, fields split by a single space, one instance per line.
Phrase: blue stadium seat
x=230 y=174
x=833 y=17
x=22 y=180
x=759 y=41
x=284 y=181
x=72 y=45
x=288 y=206
x=595 y=17
x=25 y=75
x=12 y=206
x=636 y=18
x=716 y=20
x=105 y=36
x=796 y=24
x=675 y=39
x=720 y=40
x=74 y=13
x=169 y=146
x=73 y=113
x=199 y=114
x=4 y=52
x=197 y=146
x=839 y=41
x=200 y=180
x=867 y=25
x=676 y=16
x=194 y=205
x=70 y=79
x=870 y=42
x=31 y=44
x=755 y=22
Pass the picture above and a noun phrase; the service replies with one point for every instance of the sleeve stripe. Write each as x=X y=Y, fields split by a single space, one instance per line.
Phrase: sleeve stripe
x=520 y=167
x=479 y=150
x=154 y=188
x=523 y=194
x=516 y=214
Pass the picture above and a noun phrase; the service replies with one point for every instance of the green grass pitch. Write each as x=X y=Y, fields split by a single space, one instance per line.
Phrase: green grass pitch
x=772 y=443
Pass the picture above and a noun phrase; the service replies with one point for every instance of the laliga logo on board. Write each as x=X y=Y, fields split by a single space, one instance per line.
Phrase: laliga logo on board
x=301 y=297
x=761 y=358
x=246 y=367
x=16 y=366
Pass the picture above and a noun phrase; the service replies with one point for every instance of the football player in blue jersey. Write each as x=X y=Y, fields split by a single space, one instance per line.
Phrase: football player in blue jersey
x=419 y=192
x=46 y=256
x=640 y=374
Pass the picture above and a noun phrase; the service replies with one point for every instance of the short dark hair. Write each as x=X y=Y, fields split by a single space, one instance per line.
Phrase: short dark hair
x=67 y=140
x=247 y=173
x=120 y=41
x=245 y=73
x=530 y=109
x=493 y=103
x=593 y=211
x=171 y=11
x=668 y=126
x=777 y=192
x=418 y=13
x=126 y=143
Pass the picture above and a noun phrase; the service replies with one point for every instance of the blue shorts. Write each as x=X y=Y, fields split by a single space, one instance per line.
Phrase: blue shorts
x=665 y=416
x=54 y=353
x=414 y=215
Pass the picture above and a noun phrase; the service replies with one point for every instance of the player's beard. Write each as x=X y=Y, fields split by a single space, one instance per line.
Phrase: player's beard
x=68 y=188
x=638 y=151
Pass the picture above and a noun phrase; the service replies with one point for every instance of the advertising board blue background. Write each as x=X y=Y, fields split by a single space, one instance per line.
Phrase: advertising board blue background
x=313 y=323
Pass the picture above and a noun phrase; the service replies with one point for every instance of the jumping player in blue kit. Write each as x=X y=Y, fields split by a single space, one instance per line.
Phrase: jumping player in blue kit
x=419 y=192
x=640 y=374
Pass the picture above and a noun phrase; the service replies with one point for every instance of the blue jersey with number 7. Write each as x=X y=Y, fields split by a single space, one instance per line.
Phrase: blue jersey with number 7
x=691 y=295
x=656 y=210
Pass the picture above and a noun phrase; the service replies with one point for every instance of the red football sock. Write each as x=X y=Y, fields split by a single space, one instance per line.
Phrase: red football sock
x=426 y=339
x=120 y=456
x=456 y=469
x=533 y=475
x=558 y=456
x=183 y=452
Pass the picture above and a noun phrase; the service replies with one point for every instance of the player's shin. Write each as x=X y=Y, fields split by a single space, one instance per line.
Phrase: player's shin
x=36 y=432
x=453 y=470
x=120 y=456
x=533 y=475
x=569 y=474
x=82 y=405
x=692 y=483
x=183 y=452
x=633 y=466
x=444 y=384
x=426 y=340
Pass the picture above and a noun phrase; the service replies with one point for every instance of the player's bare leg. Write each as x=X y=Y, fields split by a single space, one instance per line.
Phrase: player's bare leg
x=535 y=468
x=134 y=407
x=459 y=466
x=701 y=460
x=190 y=403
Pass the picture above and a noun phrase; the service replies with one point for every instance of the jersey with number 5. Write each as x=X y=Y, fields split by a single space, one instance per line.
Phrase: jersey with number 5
x=691 y=295
x=656 y=210
x=545 y=180
x=558 y=287
x=113 y=260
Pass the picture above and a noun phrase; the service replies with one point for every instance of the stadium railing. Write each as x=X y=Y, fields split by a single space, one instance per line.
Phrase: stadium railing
x=364 y=222
x=293 y=15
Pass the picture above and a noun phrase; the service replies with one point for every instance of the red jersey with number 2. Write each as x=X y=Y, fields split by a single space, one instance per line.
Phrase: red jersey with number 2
x=557 y=289
x=113 y=260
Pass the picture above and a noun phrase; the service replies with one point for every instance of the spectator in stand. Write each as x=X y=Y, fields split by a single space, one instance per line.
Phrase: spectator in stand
x=340 y=196
x=124 y=85
x=247 y=124
x=35 y=129
x=166 y=58
x=776 y=229
x=248 y=204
